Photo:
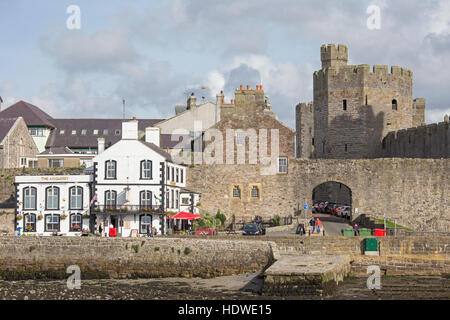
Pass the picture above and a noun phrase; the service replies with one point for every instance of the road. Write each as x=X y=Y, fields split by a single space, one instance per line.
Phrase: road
x=333 y=225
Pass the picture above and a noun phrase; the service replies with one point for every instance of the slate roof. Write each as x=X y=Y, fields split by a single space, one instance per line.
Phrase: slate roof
x=89 y=139
x=6 y=125
x=155 y=148
x=32 y=115
x=57 y=150
x=167 y=143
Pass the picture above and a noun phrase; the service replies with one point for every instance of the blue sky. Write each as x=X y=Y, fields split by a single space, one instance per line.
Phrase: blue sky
x=154 y=53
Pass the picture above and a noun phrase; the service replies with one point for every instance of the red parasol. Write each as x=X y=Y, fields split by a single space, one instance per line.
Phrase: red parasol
x=185 y=216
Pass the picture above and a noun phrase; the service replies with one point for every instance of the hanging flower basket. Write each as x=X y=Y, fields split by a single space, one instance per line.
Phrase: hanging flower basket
x=40 y=217
x=86 y=216
x=63 y=217
x=19 y=217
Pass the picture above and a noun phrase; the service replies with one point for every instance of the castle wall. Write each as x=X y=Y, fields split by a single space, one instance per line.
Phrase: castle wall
x=415 y=192
x=430 y=141
x=304 y=117
x=357 y=131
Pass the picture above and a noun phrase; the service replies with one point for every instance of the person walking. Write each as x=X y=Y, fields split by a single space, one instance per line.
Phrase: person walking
x=355 y=229
x=149 y=231
x=319 y=225
x=312 y=223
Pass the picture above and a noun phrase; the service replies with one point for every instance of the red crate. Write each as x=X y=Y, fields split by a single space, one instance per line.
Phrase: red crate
x=112 y=232
x=379 y=232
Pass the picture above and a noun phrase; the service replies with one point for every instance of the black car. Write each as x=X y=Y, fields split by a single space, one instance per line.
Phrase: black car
x=253 y=230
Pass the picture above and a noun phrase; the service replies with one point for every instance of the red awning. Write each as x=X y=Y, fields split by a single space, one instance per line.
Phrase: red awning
x=185 y=216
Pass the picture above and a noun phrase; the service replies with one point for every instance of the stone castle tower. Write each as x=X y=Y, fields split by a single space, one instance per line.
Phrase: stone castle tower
x=355 y=107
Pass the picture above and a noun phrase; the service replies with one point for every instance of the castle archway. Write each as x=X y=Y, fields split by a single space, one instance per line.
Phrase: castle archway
x=333 y=197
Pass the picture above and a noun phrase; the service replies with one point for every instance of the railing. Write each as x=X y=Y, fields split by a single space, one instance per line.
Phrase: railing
x=235 y=224
x=126 y=209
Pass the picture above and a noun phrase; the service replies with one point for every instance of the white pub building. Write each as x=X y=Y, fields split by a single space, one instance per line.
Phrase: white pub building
x=131 y=188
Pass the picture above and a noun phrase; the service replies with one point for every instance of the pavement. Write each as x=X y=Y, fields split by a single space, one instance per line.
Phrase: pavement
x=332 y=224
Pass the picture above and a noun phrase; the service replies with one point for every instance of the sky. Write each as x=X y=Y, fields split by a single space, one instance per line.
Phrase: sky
x=154 y=54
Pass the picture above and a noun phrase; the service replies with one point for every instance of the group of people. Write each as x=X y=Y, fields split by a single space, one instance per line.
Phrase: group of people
x=315 y=224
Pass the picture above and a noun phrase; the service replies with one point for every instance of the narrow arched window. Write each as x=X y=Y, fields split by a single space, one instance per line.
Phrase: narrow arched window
x=146 y=199
x=110 y=169
x=110 y=198
x=76 y=198
x=76 y=222
x=394 y=105
x=146 y=169
x=236 y=192
x=344 y=105
x=52 y=198
x=255 y=192
x=29 y=198
x=29 y=222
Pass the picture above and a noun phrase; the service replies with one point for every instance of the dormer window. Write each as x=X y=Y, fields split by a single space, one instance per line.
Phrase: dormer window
x=105 y=132
x=62 y=131
x=74 y=132
x=117 y=132
x=83 y=132
x=95 y=132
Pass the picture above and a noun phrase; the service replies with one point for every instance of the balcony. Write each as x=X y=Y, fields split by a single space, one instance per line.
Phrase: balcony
x=126 y=208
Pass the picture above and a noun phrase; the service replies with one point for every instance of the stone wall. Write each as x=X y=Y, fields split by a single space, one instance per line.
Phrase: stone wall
x=17 y=144
x=304 y=117
x=419 y=246
x=415 y=192
x=48 y=257
x=356 y=106
x=430 y=141
x=7 y=221
x=31 y=257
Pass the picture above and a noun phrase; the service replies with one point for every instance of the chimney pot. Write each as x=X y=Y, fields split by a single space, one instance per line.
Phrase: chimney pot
x=134 y=118
x=260 y=88
x=241 y=86
x=248 y=87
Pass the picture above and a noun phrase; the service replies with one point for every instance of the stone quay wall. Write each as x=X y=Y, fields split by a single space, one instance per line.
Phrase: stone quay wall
x=49 y=257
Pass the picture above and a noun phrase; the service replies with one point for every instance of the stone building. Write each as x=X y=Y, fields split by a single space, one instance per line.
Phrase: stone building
x=17 y=148
x=242 y=171
x=355 y=107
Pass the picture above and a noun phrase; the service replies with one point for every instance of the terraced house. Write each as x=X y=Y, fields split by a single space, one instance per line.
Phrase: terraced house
x=131 y=187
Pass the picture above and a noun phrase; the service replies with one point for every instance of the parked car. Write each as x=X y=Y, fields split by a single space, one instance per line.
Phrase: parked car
x=252 y=230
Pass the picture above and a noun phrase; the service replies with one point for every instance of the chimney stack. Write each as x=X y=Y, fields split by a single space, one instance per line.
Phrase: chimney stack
x=192 y=101
x=101 y=145
x=152 y=135
x=130 y=130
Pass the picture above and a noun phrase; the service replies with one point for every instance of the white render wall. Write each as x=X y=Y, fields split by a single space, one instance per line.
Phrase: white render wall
x=64 y=183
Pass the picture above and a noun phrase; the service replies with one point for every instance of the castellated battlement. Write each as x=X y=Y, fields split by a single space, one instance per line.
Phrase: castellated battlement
x=305 y=107
x=364 y=70
x=427 y=141
x=332 y=56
